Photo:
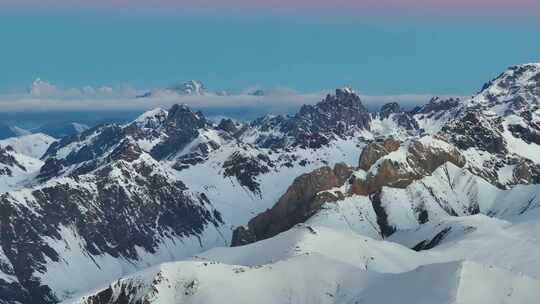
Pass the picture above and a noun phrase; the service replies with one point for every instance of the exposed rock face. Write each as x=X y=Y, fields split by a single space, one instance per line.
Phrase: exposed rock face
x=96 y=207
x=243 y=236
x=154 y=119
x=427 y=156
x=528 y=134
x=127 y=151
x=104 y=138
x=228 y=125
x=181 y=127
x=407 y=121
x=198 y=155
x=7 y=160
x=337 y=113
x=437 y=106
x=115 y=295
x=246 y=169
x=402 y=118
x=268 y=130
x=527 y=172
x=476 y=130
x=390 y=108
x=300 y=201
x=381 y=164
x=382 y=217
x=314 y=126
x=374 y=151
x=422 y=157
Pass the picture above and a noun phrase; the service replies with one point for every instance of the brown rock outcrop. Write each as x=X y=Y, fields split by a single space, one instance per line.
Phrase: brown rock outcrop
x=310 y=191
x=301 y=200
x=422 y=158
x=374 y=151
x=527 y=172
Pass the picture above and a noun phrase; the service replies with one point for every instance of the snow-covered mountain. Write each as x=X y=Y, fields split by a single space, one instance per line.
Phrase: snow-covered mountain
x=310 y=264
x=188 y=88
x=192 y=87
x=333 y=204
x=20 y=159
x=32 y=145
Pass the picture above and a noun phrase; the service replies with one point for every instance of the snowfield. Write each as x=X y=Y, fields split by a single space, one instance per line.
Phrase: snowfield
x=312 y=264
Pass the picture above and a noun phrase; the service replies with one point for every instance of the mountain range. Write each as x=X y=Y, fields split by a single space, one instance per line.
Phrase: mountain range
x=334 y=204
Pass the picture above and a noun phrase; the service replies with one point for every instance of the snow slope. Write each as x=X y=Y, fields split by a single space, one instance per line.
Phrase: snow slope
x=306 y=265
x=32 y=145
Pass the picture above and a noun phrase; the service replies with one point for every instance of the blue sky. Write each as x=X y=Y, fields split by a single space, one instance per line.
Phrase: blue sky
x=376 y=55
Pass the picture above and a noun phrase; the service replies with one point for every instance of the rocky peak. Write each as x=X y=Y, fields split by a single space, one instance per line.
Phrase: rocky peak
x=191 y=87
x=341 y=114
x=518 y=87
x=394 y=112
x=313 y=126
x=181 y=127
x=437 y=104
x=180 y=116
x=228 y=125
x=345 y=106
x=268 y=122
x=152 y=119
x=389 y=108
x=475 y=129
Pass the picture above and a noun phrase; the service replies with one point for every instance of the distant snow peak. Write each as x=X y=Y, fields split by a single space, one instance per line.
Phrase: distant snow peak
x=188 y=88
x=191 y=87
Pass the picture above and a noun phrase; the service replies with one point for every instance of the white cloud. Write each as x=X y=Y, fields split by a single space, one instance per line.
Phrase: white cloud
x=46 y=90
x=279 y=103
x=42 y=88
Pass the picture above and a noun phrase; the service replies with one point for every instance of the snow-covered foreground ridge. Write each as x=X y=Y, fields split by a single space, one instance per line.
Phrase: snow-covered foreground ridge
x=342 y=202
x=310 y=268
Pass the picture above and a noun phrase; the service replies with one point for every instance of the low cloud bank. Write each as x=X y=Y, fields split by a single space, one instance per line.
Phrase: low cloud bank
x=45 y=97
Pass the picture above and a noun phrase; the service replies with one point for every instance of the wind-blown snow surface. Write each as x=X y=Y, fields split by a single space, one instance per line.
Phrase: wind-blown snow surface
x=312 y=264
x=32 y=145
